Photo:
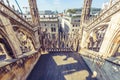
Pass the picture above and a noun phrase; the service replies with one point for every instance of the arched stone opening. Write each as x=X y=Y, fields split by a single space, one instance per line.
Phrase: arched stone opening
x=117 y=53
x=6 y=48
x=109 y=44
x=98 y=27
x=26 y=39
x=95 y=39
x=93 y=36
x=115 y=46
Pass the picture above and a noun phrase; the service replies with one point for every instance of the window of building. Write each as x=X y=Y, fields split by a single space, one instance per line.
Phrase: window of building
x=45 y=25
x=54 y=29
x=76 y=20
x=51 y=24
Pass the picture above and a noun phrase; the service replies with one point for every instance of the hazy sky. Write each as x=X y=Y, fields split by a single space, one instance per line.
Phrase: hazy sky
x=59 y=5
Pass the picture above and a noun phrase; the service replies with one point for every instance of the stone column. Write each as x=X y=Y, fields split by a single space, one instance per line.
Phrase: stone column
x=37 y=42
x=84 y=42
x=11 y=35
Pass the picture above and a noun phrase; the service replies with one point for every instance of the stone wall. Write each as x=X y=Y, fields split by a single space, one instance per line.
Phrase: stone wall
x=19 y=69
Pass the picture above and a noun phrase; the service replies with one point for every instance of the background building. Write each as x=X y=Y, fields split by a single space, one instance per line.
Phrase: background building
x=49 y=21
x=70 y=22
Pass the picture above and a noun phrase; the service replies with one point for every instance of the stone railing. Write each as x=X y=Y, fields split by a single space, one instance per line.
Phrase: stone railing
x=59 y=49
x=12 y=14
x=91 y=54
x=97 y=57
x=114 y=61
x=103 y=15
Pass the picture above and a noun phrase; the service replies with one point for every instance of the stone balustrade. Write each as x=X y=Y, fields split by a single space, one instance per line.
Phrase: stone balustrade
x=91 y=54
x=18 y=69
x=99 y=59
x=59 y=49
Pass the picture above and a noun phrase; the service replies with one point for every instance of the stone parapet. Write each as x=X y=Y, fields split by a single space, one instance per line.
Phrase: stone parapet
x=105 y=71
x=18 y=69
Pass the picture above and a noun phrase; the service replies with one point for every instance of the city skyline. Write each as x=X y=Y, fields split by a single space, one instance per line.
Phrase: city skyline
x=59 y=5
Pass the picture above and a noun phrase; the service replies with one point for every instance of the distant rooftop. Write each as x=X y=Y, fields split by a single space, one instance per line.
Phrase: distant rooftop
x=48 y=12
x=79 y=10
x=76 y=12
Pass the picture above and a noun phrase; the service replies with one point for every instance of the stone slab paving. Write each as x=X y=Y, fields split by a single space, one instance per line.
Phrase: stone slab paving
x=61 y=66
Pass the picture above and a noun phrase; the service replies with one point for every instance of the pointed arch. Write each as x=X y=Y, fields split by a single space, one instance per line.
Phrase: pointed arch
x=26 y=31
x=7 y=44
